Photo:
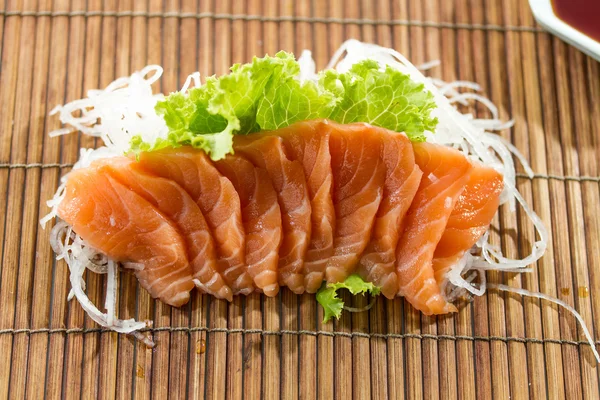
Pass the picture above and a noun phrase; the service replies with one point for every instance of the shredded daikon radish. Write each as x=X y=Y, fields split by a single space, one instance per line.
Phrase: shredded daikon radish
x=459 y=288
x=455 y=276
x=308 y=68
x=192 y=78
x=111 y=292
x=446 y=87
x=125 y=108
x=61 y=238
x=474 y=96
x=429 y=64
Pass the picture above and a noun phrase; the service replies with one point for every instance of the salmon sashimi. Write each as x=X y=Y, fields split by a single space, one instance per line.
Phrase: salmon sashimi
x=445 y=174
x=358 y=176
x=311 y=202
x=308 y=143
x=378 y=262
x=123 y=225
x=217 y=199
x=289 y=183
x=261 y=216
x=174 y=202
x=470 y=219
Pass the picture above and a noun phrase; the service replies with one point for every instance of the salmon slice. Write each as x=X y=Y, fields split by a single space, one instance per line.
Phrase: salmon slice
x=470 y=219
x=217 y=199
x=288 y=180
x=402 y=178
x=358 y=177
x=174 y=202
x=445 y=174
x=308 y=143
x=121 y=224
x=261 y=217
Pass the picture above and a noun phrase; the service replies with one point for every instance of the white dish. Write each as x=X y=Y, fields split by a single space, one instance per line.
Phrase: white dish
x=544 y=14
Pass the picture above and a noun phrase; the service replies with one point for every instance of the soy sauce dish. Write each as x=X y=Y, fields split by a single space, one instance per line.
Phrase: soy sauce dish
x=574 y=21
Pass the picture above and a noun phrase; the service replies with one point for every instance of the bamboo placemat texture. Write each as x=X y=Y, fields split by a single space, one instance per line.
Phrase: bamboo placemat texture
x=499 y=346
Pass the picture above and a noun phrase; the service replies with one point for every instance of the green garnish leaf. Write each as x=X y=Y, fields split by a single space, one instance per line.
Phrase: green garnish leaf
x=327 y=295
x=267 y=94
x=332 y=304
x=389 y=99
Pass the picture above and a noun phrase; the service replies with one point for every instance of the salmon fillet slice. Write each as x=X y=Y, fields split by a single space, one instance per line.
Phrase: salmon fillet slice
x=358 y=177
x=470 y=219
x=288 y=180
x=261 y=216
x=128 y=229
x=402 y=178
x=217 y=199
x=308 y=143
x=174 y=202
x=445 y=174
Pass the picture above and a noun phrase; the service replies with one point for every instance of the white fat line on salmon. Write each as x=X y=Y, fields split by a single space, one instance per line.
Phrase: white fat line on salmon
x=200 y=286
x=448 y=202
x=134 y=266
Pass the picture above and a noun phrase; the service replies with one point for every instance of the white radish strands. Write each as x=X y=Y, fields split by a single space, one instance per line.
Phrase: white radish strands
x=67 y=245
x=118 y=113
x=111 y=292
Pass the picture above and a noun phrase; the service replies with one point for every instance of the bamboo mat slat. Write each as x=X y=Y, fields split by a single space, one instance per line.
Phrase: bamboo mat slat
x=536 y=156
x=235 y=344
x=498 y=346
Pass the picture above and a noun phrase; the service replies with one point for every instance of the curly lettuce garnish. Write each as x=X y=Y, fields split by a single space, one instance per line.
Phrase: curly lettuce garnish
x=267 y=94
x=388 y=99
x=327 y=295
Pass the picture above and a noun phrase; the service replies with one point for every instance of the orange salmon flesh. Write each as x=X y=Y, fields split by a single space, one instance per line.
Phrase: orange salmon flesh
x=316 y=201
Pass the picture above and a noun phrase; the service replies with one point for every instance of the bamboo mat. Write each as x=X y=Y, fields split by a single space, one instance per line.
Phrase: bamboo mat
x=499 y=346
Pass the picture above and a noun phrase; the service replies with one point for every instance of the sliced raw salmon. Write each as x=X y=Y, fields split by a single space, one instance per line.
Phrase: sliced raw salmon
x=378 y=262
x=217 y=199
x=308 y=143
x=123 y=225
x=287 y=177
x=469 y=220
x=261 y=216
x=315 y=201
x=445 y=174
x=174 y=202
x=358 y=177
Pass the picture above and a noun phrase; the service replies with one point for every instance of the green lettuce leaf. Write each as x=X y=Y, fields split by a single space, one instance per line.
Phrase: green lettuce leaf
x=266 y=94
x=389 y=99
x=327 y=295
